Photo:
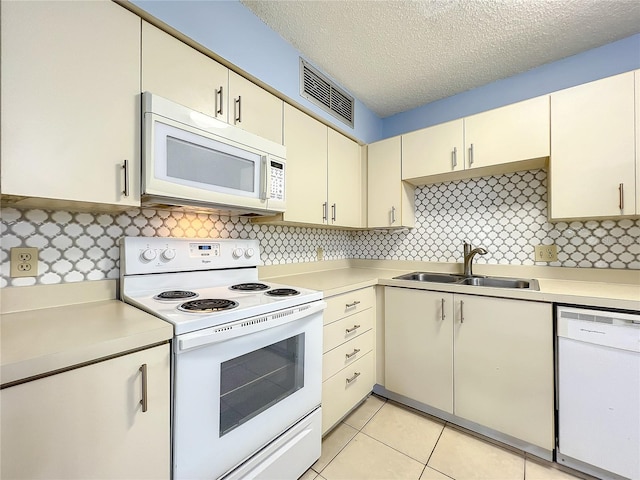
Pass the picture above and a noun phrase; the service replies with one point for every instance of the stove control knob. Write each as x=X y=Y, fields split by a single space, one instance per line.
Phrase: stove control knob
x=168 y=254
x=148 y=254
x=237 y=252
x=249 y=252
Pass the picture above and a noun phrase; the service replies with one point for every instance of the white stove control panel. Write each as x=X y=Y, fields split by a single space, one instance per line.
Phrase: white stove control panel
x=160 y=255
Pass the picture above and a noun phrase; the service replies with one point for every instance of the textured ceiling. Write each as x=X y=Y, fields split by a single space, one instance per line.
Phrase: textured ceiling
x=397 y=55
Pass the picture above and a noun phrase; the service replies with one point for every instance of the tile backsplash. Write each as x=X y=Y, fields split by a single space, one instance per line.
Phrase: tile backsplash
x=505 y=214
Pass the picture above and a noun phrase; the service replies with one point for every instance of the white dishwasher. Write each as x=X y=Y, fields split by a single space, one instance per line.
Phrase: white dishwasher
x=599 y=392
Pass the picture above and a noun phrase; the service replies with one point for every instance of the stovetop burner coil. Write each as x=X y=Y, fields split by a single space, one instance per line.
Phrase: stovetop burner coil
x=282 y=292
x=207 y=305
x=249 y=287
x=175 y=295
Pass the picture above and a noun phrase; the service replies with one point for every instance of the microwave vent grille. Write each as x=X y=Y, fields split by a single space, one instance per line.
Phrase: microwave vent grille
x=318 y=89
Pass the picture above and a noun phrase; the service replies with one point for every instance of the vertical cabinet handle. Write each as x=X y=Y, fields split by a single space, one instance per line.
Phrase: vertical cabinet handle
x=325 y=212
x=471 y=154
x=238 y=109
x=621 y=196
x=443 y=316
x=454 y=158
x=145 y=399
x=125 y=167
x=219 y=101
x=461 y=311
x=333 y=212
x=393 y=215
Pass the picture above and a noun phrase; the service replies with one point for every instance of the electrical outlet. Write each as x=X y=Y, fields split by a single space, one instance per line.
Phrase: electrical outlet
x=320 y=254
x=24 y=262
x=546 y=253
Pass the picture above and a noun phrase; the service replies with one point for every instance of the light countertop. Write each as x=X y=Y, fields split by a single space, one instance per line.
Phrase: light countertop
x=625 y=296
x=36 y=342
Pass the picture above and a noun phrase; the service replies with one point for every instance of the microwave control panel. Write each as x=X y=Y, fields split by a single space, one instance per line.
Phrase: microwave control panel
x=277 y=180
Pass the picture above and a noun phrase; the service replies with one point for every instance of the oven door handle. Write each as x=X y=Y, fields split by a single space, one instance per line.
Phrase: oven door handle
x=246 y=326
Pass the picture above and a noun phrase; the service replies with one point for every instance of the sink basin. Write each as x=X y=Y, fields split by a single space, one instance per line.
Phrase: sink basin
x=431 y=277
x=478 y=281
x=500 y=282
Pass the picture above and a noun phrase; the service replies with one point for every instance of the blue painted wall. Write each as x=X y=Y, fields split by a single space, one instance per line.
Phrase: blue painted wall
x=237 y=35
x=611 y=59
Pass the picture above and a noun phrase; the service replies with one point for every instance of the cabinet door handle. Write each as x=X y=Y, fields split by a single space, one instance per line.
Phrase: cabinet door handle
x=353 y=304
x=333 y=212
x=461 y=311
x=219 y=101
x=355 y=351
x=621 y=196
x=454 y=158
x=145 y=398
x=355 y=375
x=238 y=109
x=352 y=329
x=393 y=215
x=125 y=167
x=325 y=212
x=443 y=316
x=471 y=154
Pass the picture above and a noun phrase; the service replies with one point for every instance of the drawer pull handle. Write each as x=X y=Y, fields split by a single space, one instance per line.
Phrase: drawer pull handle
x=355 y=375
x=352 y=329
x=144 y=402
x=350 y=305
x=349 y=355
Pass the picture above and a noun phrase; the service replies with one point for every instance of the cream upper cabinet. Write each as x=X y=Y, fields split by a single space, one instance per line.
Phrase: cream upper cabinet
x=503 y=366
x=89 y=422
x=254 y=109
x=323 y=177
x=513 y=133
x=419 y=346
x=306 y=174
x=637 y=95
x=593 y=164
x=344 y=181
x=174 y=70
x=391 y=202
x=433 y=150
x=71 y=102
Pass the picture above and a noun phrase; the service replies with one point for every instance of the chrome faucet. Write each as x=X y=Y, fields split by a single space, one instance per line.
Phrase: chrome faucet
x=469 y=253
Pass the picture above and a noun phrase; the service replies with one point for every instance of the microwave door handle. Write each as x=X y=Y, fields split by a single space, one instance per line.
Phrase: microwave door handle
x=265 y=180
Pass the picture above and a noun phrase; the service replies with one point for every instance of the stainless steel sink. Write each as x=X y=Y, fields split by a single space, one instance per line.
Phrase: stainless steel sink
x=478 y=281
x=431 y=277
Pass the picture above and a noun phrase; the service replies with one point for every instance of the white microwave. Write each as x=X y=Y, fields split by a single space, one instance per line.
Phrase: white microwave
x=198 y=162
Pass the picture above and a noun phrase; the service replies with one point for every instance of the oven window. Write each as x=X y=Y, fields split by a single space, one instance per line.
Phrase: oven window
x=252 y=383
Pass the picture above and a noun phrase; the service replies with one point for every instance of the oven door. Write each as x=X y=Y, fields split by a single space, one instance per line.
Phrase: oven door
x=235 y=395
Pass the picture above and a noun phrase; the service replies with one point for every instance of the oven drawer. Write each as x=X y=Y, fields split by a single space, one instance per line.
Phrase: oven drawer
x=347 y=328
x=346 y=389
x=348 y=303
x=346 y=354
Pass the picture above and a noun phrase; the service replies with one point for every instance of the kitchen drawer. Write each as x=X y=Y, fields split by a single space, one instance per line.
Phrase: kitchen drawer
x=348 y=303
x=346 y=354
x=340 y=396
x=347 y=328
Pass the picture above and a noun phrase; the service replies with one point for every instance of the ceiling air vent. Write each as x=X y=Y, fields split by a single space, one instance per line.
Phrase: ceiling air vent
x=316 y=88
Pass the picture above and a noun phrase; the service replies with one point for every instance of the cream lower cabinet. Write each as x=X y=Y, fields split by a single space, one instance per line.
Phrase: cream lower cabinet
x=391 y=202
x=88 y=422
x=486 y=360
x=593 y=164
x=71 y=102
x=348 y=363
x=323 y=177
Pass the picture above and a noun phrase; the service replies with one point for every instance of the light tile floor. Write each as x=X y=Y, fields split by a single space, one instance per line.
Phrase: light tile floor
x=383 y=440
